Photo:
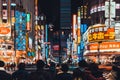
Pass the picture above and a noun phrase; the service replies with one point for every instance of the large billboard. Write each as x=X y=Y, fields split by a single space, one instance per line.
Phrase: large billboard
x=101 y=33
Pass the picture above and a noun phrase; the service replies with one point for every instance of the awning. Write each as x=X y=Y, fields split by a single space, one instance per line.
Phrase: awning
x=102 y=53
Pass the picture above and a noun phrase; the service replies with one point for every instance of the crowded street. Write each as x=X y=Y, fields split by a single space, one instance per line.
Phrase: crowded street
x=59 y=39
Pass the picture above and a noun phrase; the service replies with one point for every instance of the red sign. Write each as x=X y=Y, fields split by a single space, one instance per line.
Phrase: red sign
x=56 y=47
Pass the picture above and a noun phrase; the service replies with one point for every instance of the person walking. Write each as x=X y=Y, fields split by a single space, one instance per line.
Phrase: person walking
x=52 y=69
x=3 y=74
x=93 y=67
x=83 y=72
x=40 y=73
x=21 y=73
x=79 y=73
x=64 y=75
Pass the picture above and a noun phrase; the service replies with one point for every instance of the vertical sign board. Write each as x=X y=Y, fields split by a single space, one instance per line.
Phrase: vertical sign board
x=20 y=28
x=110 y=7
x=78 y=27
x=30 y=43
x=79 y=53
x=28 y=21
x=74 y=32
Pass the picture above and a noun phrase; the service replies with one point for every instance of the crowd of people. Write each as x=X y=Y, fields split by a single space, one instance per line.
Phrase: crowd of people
x=84 y=71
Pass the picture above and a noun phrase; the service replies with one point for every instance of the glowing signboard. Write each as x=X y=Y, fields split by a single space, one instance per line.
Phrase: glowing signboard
x=99 y=33
x=105 y=46
x=4 y=30
x=20 y=27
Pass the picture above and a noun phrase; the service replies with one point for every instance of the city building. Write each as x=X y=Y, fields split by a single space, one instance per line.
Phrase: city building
x=61 y=20
x=7 y=20
x=102 y=39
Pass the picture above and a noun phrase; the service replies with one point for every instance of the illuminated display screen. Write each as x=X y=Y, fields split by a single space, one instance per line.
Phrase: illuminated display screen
x=83 y=28
x=30 y=43
x=20 y=27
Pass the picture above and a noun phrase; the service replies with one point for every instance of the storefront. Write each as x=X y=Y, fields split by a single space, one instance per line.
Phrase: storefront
x=105 y=50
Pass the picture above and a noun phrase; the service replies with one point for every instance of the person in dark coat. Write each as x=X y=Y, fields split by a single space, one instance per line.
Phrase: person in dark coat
x=40 y=73
x=21 y=73
x=78 y=73
x=83 y=72
x=93 y=67
x=64 y=75
x=52 y=69
x=3 y=74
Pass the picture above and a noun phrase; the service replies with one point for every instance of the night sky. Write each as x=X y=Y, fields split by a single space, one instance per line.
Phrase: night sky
x=51 y=8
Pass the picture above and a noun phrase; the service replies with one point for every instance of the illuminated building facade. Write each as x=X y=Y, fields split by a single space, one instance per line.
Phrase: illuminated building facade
x=101 y=39
x=96 y=10
x=7 y=8
x=11 y=28
x=65 y=14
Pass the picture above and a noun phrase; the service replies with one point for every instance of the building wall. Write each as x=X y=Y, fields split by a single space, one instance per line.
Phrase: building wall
x=99 y=16
x=65 y=14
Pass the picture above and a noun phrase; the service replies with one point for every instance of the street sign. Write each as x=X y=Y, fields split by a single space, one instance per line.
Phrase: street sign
x=110 y=9
x=110 y=22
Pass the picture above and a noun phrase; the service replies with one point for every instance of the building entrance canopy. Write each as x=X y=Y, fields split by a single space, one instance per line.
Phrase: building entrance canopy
x=104 y=47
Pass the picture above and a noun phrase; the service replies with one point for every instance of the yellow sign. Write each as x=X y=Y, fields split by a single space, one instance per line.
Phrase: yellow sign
x=78 y=36
x=102 y=35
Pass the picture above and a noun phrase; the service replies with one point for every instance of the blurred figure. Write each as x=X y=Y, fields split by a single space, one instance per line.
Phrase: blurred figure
x=83 y=72
x=93 y=67
x=114 y=74
x=40 y=73
x=52 y=69
x=58 y=69
x=79 y=73
x=21 y=73
x=64 y=75
x=3 y=74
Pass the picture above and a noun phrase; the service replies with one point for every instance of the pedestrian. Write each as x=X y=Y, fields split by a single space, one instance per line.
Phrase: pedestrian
x=58 y=69
x=64 y=75
x=114 y=73
x=93 y=67
x=3 y=74
x=40 y=73
x=83 y=72
x=78 y=73
x=21 y=73
x=52 y=69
